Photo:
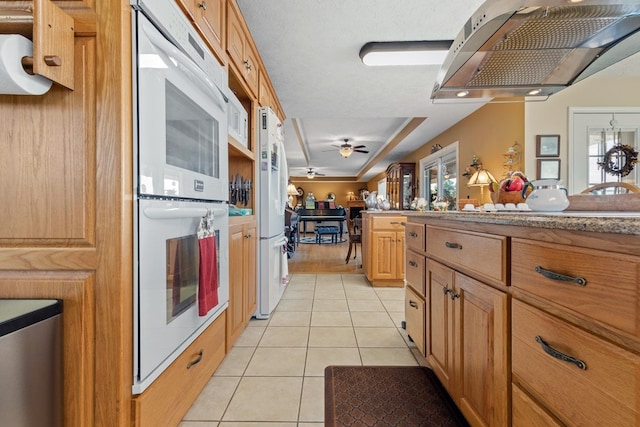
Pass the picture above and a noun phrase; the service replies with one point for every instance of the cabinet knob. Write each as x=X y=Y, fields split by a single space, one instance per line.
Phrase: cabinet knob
x=413 y=234
x=413 y=263
x=413 y=304
x=248 y=235
x=247 y=64
x=203 y=5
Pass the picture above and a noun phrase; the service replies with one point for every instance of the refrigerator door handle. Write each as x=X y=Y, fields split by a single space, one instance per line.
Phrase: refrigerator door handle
x=280 y=242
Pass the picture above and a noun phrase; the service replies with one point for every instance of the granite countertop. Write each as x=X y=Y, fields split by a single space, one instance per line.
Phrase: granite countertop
x=600 y=222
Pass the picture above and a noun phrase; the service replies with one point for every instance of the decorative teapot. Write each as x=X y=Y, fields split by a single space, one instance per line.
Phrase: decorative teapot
x=548 y=196
x=372 y=200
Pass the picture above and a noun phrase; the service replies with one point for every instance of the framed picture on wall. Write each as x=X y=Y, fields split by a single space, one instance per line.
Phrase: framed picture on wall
x=548 y=169
x=547 y=145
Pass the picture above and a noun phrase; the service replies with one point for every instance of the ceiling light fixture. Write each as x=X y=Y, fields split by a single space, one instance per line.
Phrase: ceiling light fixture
x=428 y=52
x=346 y=150
x=311 y=175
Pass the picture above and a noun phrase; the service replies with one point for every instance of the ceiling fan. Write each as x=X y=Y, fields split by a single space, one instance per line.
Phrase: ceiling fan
x=312 y=174
x=347 y=149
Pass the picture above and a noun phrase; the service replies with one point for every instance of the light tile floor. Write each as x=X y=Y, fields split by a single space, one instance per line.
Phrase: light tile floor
x=274 y=374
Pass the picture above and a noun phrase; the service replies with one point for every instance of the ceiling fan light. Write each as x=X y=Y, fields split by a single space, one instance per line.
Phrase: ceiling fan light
x=429 y=52
x=346 y=151
x=310 y=175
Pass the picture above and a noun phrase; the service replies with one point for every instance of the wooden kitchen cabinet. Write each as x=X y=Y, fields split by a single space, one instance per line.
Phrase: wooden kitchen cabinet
x=383 y=249
x=242 y=53
x=467 y=343
x=575 y=330
x=242 y=275
x=209 y=18
x=415 y=271
x=185 y=377
x=414 y=310
x=529 y=326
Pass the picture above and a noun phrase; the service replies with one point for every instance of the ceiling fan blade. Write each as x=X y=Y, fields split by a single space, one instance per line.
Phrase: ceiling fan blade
x=319 y=174
x=361 y=151
x=359 y=146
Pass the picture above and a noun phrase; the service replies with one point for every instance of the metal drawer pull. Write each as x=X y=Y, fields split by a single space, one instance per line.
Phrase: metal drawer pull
x=413 y=264
x=558 y=355
x=580 y=281
x=196 y=360
x=398 y=223
x=453 y=295
x=413 y=234
x=446 y=290
x=453 y=245
x=413 y=304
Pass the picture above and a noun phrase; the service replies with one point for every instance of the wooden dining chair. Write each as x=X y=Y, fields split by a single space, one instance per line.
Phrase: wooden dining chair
x=611 y=188
x=355 y=238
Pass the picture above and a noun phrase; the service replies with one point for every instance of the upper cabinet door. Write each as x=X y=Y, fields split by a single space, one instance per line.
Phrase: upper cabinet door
x=235 y=37
x=242 y=54
x=210 y=18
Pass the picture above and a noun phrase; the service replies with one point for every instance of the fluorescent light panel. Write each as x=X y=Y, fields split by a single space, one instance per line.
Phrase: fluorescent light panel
x=428 y=52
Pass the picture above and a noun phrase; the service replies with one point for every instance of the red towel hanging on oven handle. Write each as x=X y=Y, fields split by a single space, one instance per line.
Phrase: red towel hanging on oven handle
x=208 y=282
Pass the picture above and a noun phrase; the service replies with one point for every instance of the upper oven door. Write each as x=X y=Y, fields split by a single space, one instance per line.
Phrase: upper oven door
x=182 y=122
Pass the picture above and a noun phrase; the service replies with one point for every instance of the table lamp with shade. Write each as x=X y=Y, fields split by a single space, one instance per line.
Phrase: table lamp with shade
x=291 y=192
x=481 y=178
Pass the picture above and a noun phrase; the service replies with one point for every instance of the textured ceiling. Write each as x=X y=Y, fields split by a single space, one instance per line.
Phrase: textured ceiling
x=311 y=52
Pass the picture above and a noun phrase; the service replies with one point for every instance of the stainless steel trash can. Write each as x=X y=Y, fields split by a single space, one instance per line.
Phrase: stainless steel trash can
x=31 y=363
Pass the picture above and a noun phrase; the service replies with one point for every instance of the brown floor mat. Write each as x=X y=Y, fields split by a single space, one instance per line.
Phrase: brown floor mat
x=402 y=396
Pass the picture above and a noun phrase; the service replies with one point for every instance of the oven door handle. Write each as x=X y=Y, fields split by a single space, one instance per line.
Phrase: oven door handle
x=177 y=213
x=184 y=62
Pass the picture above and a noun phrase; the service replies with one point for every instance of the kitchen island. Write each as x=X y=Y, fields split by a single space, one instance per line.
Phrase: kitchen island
x=528 y=318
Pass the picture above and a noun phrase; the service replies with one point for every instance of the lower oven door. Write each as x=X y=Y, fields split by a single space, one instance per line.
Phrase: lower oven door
x=166 y=281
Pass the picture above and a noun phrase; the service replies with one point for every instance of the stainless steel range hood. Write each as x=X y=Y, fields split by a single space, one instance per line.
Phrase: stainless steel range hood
x=536 y=48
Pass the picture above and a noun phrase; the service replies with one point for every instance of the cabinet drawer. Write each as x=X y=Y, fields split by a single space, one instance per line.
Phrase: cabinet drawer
x=473 y=253
x=384 y=222
x=414 y=316
x=414 y=236
x=414 y=271
x=526 y=412
x=609 y=294
x=605 y=393
x=172 y=394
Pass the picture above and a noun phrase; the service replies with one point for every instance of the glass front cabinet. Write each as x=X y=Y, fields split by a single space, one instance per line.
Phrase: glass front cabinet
x=401 y=183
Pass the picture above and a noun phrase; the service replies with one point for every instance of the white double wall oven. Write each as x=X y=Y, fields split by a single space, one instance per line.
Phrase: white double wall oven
x=181 y=176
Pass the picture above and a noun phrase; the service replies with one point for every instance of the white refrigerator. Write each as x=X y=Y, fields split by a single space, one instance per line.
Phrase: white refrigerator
x=273 y=177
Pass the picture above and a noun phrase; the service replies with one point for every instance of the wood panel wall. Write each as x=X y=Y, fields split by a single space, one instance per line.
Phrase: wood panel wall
x=66 y=210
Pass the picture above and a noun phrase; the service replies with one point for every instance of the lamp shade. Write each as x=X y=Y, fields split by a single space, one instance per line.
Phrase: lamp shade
x=481 y=178
x=292 y=190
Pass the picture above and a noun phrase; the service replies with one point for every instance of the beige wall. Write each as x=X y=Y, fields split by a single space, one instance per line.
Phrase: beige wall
x=487 y=133
x=322 y=188
x=552 y=116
